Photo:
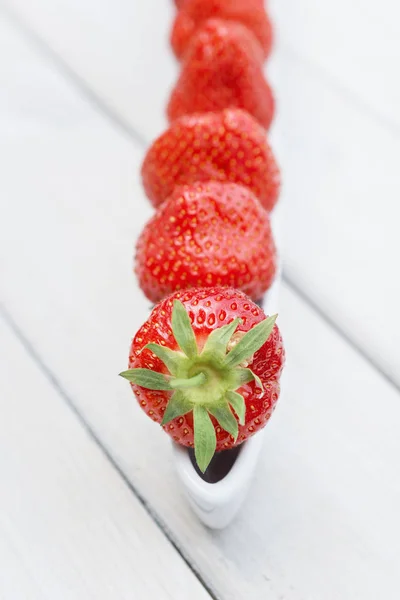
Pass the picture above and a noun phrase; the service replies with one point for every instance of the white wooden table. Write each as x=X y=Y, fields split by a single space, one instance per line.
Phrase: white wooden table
x=89 y=506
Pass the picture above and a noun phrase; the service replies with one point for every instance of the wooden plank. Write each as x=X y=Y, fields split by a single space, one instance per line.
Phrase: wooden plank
x=353 y=46
x=70 y=527
x=121 y=51
x=321 y=520
x=341 y=183
x=339 y=156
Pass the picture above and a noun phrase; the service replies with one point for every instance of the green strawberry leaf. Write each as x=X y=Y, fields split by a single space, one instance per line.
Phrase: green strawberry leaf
x=238 y=404
x=171 y=359
x=177 y=406
x=147 y=379
x=205 y=441
x=218 y=339
x=250 y=342
x=245 y=376
x=225 y=418
x=182 y=330
x=258 y=381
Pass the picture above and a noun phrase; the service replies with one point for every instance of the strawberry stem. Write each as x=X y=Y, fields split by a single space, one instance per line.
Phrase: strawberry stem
x=181 y=384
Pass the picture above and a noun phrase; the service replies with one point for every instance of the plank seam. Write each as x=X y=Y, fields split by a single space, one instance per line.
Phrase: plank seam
x=333 y=84
x=308 y=301
x=56 y=384
x=65 y=70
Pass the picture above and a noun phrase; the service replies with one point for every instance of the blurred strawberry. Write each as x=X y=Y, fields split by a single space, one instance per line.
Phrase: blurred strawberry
x=222 y=69
x=207 y=234
x=193 y=14
x=225 y=146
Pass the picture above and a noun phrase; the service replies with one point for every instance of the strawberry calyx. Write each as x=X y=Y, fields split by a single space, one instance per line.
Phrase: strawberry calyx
x=204 y=381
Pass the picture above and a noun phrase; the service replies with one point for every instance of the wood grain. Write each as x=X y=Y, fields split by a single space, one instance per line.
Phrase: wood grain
x=321 y=520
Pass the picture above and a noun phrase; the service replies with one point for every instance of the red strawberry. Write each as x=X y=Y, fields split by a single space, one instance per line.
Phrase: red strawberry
x=202 y=353
x=194 y=13
x=207 y=234
x=180 y=3
x=225 y=146
x=222 y=69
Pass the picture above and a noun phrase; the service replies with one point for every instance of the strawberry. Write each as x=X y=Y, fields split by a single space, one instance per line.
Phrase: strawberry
x=207 y=234
x=206 y=365
x=193 y=13
x=225 y=146
x=222 y=69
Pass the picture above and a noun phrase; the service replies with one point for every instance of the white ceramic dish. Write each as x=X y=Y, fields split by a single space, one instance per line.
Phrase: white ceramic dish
x=216 y=504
